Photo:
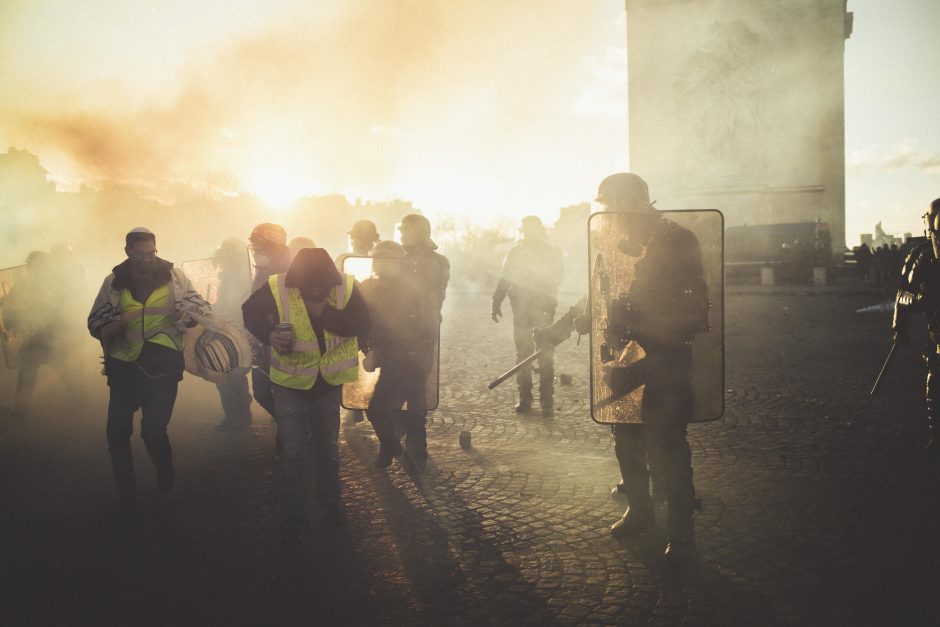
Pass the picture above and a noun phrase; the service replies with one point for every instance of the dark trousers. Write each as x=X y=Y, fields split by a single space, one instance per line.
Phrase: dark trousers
x=298 y=411
x=524 y=319
x=155 y=397
x=261 y=388
x=400 y=381
x=658 y=448
x=34 y=353
x=661 y=451
x=236 y=401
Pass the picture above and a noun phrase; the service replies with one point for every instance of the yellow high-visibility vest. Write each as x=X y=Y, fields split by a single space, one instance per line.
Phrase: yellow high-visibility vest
x=152 y=321
x=299 y=368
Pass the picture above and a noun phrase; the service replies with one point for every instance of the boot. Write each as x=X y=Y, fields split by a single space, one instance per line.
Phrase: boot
x=635 y=521
x=618 y=492
x=548 y=407
x=524 y=405
x=387 y=452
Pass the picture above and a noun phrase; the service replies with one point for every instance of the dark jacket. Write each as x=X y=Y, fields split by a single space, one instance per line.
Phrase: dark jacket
x=261 y=318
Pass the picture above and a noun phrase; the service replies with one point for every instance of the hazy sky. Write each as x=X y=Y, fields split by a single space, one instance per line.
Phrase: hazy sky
x=483 y=107
x=892 y=115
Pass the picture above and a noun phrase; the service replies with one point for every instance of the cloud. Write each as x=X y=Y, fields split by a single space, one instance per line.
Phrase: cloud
x=903 y=154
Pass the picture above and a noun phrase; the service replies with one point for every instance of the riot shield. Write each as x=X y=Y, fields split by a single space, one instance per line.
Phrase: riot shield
x=657 y=316
x=224 y=281
x=399 y=359
x=10 y=310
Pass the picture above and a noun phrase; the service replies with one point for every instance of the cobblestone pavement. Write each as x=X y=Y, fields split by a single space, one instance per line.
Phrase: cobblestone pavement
x=817 y=507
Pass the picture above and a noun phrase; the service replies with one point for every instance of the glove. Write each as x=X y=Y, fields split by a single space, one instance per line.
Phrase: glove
x=540 y=337
x=368 y=362
x=582 y=324
x=496 y=312
x=549 y=337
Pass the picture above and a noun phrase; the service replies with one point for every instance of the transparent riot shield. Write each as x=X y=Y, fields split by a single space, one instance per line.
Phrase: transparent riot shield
x=399 y=359
x=224 y=281
x=657 y=316
x=10 y=311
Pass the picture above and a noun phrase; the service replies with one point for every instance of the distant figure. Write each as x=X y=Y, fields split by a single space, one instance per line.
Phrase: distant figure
x=268 y=246
x=882 y=264
x=362 y=237
x=531 y=274
x=32 y=312
x=324 y=312
x=919 y=282
x=431 y=273
x=862 y=255
x=139 y=316
x=299 y=243
x=231 y=259
x=400 y=343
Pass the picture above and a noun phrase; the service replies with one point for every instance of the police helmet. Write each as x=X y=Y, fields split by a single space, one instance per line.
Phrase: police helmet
x=624 y=191
x=416 y=223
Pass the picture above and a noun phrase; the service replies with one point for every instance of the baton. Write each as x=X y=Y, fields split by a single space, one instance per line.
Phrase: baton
x=525 y=362
x=884 y=368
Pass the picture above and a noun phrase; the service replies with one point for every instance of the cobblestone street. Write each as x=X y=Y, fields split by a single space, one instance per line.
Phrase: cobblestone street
x=816 y=504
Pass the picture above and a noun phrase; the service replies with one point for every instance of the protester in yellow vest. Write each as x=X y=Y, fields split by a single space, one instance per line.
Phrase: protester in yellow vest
x=309 y=365
x=140 y=315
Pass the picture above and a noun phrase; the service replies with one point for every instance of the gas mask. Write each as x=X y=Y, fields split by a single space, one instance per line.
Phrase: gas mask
x=261 y=260
x=639 y=228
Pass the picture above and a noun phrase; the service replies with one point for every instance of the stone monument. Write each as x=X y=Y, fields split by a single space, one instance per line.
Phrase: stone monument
x=738 y=105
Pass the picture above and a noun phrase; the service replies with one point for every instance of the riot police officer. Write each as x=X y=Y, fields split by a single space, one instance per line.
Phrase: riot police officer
x=531 y=275
x=919 y=291
x=660 y=315
x=431 y=272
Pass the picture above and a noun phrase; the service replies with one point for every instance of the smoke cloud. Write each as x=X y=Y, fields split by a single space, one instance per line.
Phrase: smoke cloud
x=415 y=98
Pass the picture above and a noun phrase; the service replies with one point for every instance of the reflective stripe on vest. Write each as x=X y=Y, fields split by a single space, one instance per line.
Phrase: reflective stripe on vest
x=152 y=321
x=299 y=368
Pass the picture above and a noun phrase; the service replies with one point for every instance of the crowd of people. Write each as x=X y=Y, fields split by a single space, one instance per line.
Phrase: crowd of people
x=287 y=323
x=879 y=266
x=290 y=326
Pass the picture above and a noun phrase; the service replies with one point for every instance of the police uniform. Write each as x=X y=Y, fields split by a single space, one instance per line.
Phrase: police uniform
x=531 y=274
x=919 y=292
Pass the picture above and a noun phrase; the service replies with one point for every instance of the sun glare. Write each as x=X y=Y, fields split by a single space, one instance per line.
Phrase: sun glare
x=279 y=188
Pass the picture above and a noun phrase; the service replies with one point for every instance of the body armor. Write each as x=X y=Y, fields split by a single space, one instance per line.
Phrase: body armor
x=919 y=292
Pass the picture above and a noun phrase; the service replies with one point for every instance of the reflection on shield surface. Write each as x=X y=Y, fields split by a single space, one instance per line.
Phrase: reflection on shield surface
x=224 y=281
x=398 y=363
x=657 y=315
x=10 y=338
